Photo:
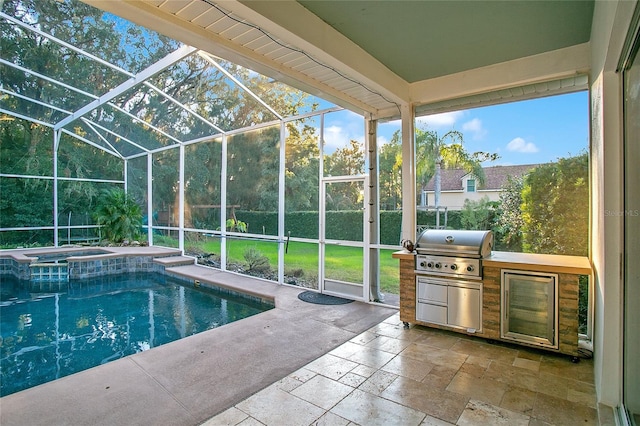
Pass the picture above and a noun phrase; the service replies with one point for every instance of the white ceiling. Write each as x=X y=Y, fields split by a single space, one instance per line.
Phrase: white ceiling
x=375 y=57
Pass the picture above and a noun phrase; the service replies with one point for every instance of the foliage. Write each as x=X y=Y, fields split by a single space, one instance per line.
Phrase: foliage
x=555 y=207
x=446 y=151
x=478 y=215
x=510 y=222
x=119 y=215
x=345 y=161
x=255 y=260
x=235 y=225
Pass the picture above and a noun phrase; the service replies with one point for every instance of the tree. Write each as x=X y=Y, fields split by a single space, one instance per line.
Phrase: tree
x=302 y=162
x=478 y=215
x=434 y=152
x=390 y=173
x=346 y=161
x=555 y=207
x=27 y=148
x=510 y=222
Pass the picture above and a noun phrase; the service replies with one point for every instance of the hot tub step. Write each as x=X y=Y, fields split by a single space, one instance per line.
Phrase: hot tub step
x=170 y=261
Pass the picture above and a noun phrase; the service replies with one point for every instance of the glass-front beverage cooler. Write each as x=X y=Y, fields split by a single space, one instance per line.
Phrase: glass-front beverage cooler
x=530 y=308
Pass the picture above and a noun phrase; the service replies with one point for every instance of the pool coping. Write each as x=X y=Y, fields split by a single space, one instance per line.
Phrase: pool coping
x=190 y=380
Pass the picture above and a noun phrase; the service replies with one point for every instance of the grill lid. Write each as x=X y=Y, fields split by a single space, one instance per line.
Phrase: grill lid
x=459 y=243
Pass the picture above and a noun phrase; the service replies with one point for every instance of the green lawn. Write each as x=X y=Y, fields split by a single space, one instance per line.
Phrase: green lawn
x=341 y=262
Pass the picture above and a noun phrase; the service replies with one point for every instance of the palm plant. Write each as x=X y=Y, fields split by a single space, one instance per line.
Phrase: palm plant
x=434 y=153
x=119 y=215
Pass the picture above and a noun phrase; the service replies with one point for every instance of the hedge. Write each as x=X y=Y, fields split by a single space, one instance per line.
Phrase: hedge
x=343 y=225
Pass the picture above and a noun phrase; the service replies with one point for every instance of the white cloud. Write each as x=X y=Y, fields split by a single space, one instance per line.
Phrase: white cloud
x=439 y=121
x=334 y=137
x=520 y=145
x=475 y=128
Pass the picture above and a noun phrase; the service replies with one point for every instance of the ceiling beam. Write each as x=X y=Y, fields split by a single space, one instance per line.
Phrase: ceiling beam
x=547 y=66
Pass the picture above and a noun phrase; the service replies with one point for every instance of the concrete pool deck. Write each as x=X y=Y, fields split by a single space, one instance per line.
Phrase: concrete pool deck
x=189 y=381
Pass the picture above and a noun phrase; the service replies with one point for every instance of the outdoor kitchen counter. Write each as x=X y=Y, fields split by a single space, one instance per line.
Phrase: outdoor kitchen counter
x=568 y=268
x=558 y=264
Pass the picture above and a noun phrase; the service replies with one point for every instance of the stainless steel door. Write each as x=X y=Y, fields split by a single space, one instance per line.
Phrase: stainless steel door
x=529 y=307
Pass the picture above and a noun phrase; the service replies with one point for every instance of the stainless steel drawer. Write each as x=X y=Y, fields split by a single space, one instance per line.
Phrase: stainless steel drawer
x=431 y=292
x=431 y=313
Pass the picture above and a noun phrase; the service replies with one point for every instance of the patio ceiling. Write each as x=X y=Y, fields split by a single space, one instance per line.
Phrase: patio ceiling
x=375 y=56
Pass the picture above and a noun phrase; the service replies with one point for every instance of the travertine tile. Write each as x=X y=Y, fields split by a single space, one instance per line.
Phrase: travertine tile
x=506 y=373
x=272 y=406
x=518 y=399
x=439 y=377
x=475 y=366
x=408 y=367
x=378 y=382
x=482 y=349
x=584 y=398
x=371 y=357
x=420 y=396
x=364 y=370
x=302 y=374
x=433 y=421
x=388 y=344
x=561 y=365
x=323 y=392
x=366 y=409
x=390 y=330
x=485 y=390
x=442 y=341
x=527 y=364
x=332 y=366
x=346 y=350
x=562 y=412
x=478 y=413
x=352 y=379
x=230 y=417
x=330 y=419
x=434 y=355
x=364 y=338
x=250 y=421
x=288 y=384
x=427 y=377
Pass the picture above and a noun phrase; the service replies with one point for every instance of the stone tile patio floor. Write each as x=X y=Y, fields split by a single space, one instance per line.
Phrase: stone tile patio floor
x=389 y=375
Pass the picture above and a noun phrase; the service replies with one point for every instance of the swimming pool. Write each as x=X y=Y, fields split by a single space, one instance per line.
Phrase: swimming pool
x=53 y=329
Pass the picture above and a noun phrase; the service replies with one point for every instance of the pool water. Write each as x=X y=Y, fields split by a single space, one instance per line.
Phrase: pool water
x=52 y=330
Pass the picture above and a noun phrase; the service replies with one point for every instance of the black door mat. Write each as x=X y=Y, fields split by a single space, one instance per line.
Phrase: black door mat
x=322 y=299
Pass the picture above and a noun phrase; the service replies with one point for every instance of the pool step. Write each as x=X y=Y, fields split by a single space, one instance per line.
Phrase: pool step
x=170 y=261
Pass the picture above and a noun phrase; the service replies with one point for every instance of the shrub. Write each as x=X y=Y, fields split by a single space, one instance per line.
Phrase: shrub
x=256 y=261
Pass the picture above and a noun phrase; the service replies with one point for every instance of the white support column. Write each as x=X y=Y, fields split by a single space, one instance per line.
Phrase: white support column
x=281 y=203
x=408 y=174
x=321 y=208
x=223 y=205
x=371 y=131
x=150 y=197
x=56 y=144
x=181 y=186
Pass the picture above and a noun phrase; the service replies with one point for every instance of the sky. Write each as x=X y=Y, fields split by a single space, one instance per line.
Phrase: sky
x=525 y=132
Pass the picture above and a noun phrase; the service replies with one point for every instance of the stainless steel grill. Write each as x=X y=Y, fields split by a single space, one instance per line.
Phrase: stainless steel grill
x=453 y=253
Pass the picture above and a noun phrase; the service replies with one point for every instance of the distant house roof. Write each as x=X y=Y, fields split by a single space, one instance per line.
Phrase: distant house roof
x=495 y=177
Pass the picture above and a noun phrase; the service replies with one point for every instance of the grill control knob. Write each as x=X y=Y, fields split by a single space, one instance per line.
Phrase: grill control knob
x=454 y=267
x=422 y=264
x=430 y=265
x=470 y=268
x=438 y=265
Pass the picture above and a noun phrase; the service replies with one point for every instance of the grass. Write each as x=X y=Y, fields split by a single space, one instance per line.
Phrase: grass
x=341 y=262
